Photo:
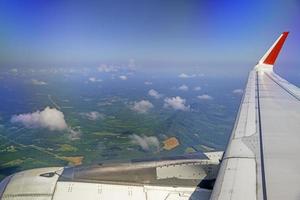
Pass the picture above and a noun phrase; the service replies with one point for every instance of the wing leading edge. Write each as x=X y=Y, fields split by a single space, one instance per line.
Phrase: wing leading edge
x=261 y=160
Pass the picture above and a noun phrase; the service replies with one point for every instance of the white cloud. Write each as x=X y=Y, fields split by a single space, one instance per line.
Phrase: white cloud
x=107 y=68
x=183 y=88
x=198 y=88
x=131 y=63
x=142 y=106
x=147 y=143
x=177 y=103
x=49 y=118
x=93 y=115
x=14 y=70
x=183 y=75
x=154 y=93
x=93 y=79
x=205 y=97
x=74 y=134
x=238 y=91
x=148 y=83
x=38 y=82
x=123 y=77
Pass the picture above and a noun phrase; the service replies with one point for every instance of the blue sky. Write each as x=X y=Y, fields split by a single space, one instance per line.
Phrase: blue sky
x=165 y=32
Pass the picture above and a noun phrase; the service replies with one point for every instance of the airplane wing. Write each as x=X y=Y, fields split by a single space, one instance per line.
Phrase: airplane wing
x=262 y=157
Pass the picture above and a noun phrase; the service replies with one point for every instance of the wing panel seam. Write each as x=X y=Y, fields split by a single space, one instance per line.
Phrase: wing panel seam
x=261 y=141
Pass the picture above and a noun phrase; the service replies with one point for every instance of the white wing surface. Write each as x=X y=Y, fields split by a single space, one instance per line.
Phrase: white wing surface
x=262 y=157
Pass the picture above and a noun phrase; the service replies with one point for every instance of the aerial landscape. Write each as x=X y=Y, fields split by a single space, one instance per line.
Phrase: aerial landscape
x=102 y=116
x=97 y=82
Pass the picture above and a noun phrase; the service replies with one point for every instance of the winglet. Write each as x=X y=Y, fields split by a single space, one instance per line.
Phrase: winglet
x=270 y=57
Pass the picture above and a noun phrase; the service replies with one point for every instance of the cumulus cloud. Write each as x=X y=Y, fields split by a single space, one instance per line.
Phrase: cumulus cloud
x=183 y=88
x=131 y=63
x=154 y=93
x=197 y=88
x=177 y=103
x=107 y=68
x=14 y=70
x=183 y=75
x=49 y=118
x=93 y=115
x=74 y=134
x=123 y=77
x=205 y=97
x=238 y=91
x=147 y=143
x=142 y=106
x=38 y=82
x=148 y=83
x=94 y=79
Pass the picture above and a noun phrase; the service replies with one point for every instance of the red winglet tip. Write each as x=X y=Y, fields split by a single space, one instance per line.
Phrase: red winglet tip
x=271 y=58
